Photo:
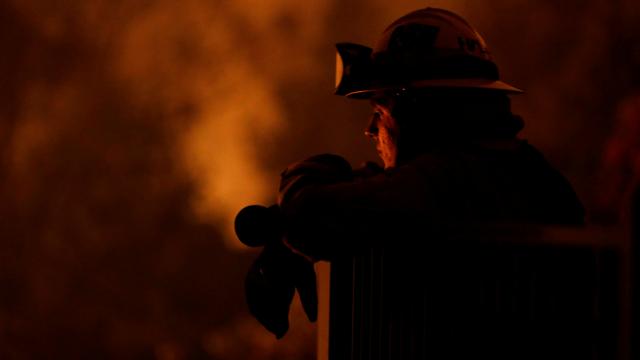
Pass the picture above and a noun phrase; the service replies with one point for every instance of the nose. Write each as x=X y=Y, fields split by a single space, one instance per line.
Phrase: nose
x=372 y=128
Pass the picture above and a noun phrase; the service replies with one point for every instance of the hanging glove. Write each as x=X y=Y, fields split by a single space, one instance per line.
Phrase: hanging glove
x=276 y=273
x=269 y=291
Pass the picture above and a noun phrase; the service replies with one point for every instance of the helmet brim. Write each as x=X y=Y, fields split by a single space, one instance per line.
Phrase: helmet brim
x=439 y=83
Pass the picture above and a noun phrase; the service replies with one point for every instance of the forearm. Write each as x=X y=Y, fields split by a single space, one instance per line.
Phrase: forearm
x=329 y=220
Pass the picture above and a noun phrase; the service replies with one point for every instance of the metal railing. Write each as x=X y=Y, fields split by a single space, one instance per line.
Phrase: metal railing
x=508 y=292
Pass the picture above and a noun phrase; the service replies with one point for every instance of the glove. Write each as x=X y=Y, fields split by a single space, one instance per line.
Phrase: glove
x=270 y=285
x=277 y=272
x=367 y=170
x=318 y=169
x=269 y=292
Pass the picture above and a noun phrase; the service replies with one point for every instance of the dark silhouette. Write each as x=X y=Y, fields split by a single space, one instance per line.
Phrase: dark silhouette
x=444 y=130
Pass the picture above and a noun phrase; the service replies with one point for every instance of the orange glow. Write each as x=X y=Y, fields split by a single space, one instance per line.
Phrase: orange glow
x=132 y=132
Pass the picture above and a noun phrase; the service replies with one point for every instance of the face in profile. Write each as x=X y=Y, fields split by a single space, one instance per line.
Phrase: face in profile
x=383 y=130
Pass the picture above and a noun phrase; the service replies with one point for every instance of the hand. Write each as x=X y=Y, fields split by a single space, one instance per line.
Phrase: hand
x=368 y=169
x=318 y=169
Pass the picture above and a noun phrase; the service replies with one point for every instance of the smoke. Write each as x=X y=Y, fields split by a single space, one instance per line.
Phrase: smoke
x=131 y=132
x=210 y=72
x=224 y=63
x=127 y=137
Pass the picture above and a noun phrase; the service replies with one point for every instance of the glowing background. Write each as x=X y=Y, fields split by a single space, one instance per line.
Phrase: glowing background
x=131 y=132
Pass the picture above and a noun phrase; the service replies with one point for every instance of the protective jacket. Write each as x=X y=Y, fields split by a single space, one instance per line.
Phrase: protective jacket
x=500 y=182
x=404 y=288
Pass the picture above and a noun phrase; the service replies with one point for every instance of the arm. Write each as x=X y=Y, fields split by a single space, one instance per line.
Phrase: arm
x=327 y=219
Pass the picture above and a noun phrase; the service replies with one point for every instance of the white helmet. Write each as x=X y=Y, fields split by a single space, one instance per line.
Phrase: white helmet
x=425 y=48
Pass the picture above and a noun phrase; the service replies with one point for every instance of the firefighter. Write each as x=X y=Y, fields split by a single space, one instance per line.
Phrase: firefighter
x=443 y=128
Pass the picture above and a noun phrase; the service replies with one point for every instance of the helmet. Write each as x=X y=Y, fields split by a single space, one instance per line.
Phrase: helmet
x=425 y=48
